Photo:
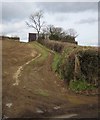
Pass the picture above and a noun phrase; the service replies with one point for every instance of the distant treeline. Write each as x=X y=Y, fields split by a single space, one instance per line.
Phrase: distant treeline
x=9 y=38
x=58 y=34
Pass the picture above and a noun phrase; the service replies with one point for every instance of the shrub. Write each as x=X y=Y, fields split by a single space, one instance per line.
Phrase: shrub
x=54 y=37
x=56 y=62
x=89 y=65
x=80 y=85
x=57 y=47
x=78 y=63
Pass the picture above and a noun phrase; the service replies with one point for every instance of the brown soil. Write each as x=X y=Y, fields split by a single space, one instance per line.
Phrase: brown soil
x=40 y=92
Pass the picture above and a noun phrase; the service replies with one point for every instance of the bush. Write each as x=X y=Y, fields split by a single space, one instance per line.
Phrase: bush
x=89 y=65
x=80 y=85
x=54 y=37
x=56 y=62
x=55 y=46
x=11 y=38
x=76 y=64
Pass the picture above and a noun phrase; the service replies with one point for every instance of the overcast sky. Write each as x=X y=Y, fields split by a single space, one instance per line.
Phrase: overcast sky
x=81 y=16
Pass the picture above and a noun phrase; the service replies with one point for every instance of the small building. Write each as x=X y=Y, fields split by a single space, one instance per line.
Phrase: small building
x=32 y=37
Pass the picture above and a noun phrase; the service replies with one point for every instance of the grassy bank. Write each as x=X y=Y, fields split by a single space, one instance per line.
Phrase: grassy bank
x=41 y=49
x=78 y=67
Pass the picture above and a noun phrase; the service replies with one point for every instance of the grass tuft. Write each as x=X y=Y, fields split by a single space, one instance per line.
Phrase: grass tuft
x=80 y=85
x=41 y=92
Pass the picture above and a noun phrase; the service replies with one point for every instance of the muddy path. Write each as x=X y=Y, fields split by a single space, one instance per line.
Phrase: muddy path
x=40 y=93
x=20 y=69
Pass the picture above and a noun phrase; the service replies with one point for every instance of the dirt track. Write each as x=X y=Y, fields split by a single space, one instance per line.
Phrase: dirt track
x=40 y=93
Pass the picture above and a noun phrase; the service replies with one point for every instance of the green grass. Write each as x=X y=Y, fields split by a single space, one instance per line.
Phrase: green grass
x=63 y=64
x=41 y=49
x=59 y=62
x=80 y=85
x=41 y=92
x=56 y=61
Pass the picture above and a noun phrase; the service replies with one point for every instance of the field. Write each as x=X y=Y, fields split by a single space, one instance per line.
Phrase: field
x=31 y=89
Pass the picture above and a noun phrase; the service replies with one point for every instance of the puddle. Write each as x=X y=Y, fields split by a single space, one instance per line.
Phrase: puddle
x=8 y=105
x=65 y=116
x=5 y=117
x=39 y=110
x=56 y=107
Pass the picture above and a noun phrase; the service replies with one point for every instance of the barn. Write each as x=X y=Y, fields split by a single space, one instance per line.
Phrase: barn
x=32 y=37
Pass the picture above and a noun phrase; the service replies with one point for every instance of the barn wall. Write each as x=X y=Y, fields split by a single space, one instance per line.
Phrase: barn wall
x=32 y=37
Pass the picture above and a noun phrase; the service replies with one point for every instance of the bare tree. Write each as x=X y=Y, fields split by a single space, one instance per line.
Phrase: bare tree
x=36 y=22
x=72 y=33
x=55 y=31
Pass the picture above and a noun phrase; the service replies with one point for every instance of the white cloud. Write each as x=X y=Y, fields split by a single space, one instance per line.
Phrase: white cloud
x=50 y=0
x=15 y=15
x=16 y=10
x=88 y=21
x=13 y=27
x=68 y=7
x=17 y=29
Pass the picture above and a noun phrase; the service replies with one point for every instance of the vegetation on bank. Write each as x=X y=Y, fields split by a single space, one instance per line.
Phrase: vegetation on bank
x=41 y=49
x=59 y=34
x=10 y=38
x=78 y=66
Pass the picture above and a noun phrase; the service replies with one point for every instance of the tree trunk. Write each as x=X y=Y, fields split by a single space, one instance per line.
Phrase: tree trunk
x=38 y=35
x=77 y=72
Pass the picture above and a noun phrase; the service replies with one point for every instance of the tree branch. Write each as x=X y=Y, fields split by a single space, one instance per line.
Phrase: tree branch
x=30 y=25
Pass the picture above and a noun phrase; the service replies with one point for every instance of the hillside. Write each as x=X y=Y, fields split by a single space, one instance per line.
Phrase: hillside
x=32 y=89
x=77 y=65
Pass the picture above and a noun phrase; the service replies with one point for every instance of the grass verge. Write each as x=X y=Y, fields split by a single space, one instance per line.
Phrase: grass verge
x=80 y=85
x=41 y=92
x=40 y=49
